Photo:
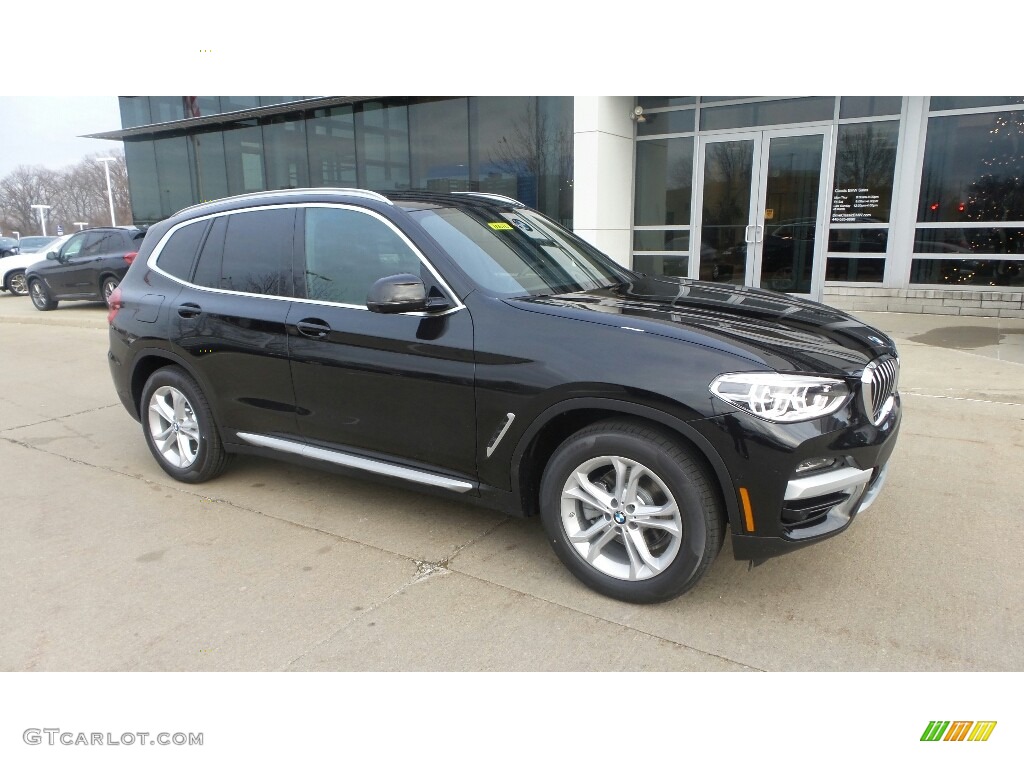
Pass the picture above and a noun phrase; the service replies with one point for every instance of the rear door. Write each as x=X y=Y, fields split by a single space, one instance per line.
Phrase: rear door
x=399 y=385
x=230 y=322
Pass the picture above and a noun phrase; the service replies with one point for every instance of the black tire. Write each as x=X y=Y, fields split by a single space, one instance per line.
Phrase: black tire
x=16 y=283
x=664 y=471
x=42 y=299
x=107 y=287
x=197 y=453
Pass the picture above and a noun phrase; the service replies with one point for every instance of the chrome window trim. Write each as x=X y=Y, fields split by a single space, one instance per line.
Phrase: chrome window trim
x=357 y=462
x=151 y=262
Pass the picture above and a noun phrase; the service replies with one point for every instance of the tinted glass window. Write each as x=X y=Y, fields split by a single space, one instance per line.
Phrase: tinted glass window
x=102 y=243
x=973 y=165
x=865 y=165
x=179 y=252
x=664 y=181
x=348 y=251
x=517 y=253
x=208 y=268
x=258 y=252
x=868 y=106
x=74 y=246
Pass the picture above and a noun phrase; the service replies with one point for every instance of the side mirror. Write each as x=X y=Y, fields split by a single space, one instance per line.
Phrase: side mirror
x=397 y=293
x=52 y=256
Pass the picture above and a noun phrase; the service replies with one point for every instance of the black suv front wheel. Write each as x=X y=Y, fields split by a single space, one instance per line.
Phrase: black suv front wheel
x=631 y=512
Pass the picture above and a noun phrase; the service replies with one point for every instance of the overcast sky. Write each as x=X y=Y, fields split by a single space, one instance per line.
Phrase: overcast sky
x=44 y=130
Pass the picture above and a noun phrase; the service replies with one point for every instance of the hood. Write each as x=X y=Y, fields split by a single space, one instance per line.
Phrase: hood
x=776 y=330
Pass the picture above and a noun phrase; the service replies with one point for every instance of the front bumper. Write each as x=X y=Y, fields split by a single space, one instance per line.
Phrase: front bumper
x=786 y=511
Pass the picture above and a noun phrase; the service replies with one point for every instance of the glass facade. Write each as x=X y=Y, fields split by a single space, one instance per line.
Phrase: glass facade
x=516 y=146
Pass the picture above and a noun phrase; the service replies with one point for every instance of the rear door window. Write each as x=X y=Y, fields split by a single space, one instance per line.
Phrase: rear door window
x=249 y=252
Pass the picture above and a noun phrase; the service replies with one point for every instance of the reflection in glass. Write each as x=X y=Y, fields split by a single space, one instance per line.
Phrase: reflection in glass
x=678 y=121
x=999 y=273
x=767 y=113
x=787 y=251
x=869 y=106
x=672 y=266
x=382 y=132
x=243 y=154
x=330 y=134
x=664 y=181
x=174 y=174
x=503 y=156
x=865 y=165
x=164 y=109
x=974 y=168
x=140 y=157
x=439 y=145
x=284 y=140
x=971 y=102
x=983 y=240
x=855 y=270
x=661 y=240
x=555 y=143
x=212 y=174
x=653 y=102
x=134 y=111
x=857 y=240
x=728 y=168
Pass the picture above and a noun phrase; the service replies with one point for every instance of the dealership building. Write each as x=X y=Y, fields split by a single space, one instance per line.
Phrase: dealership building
x=912 y=203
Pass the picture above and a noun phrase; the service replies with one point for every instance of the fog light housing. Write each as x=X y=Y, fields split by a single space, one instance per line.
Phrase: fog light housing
x=815 y=465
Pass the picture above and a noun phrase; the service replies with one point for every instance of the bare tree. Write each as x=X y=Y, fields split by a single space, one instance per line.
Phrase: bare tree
x=75 y=193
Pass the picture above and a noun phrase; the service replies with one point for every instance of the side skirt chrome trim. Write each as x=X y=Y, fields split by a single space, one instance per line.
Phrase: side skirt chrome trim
x=357 y=462
x=509 y=418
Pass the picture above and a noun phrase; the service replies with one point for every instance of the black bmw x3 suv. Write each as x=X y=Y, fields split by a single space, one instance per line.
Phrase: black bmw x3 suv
x=466 y=345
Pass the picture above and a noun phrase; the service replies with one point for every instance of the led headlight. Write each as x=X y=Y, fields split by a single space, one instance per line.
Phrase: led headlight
x=781 y=397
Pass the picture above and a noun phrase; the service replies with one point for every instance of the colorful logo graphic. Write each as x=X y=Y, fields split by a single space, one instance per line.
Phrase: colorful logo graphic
x=958 y=730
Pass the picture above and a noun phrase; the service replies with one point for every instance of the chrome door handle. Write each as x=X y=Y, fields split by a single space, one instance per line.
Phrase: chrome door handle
x=746 y=233
x=758 y=233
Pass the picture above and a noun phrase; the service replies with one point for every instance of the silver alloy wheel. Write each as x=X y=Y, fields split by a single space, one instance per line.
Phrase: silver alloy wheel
x=38 y=294
x=17 y=284
x=108 y=288
x=621 y=518
x=173 y=426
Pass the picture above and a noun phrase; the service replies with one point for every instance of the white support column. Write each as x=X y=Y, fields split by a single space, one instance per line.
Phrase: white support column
x=603 y=173
x=906 y=193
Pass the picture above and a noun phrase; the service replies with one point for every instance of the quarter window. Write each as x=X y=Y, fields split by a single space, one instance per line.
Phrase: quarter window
x=348 y=251
x=179 y=252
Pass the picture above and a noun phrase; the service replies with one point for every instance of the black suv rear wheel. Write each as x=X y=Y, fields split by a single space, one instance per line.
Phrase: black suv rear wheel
x=631 y=512
x=41 y=297
x=179 y=427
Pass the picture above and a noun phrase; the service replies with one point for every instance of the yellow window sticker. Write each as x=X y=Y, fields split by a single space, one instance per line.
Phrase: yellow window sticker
x=498 y=225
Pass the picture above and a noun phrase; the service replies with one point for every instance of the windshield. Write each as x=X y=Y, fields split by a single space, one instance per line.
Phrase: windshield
x=518 y=253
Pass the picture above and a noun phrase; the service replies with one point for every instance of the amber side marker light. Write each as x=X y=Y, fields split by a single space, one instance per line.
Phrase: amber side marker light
x=748 y=514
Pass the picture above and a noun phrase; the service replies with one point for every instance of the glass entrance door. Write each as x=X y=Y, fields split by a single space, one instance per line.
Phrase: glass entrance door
x=761 y=211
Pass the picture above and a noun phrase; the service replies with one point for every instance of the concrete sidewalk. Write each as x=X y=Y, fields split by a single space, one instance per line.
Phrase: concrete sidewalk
x=107 y=564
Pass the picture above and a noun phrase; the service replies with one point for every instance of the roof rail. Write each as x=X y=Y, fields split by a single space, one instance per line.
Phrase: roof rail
x=499 y=198
x=369 y=194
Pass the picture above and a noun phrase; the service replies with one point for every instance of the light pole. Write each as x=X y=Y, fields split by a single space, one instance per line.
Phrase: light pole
x=81 y=224
x=110 y=195
x=42 y=215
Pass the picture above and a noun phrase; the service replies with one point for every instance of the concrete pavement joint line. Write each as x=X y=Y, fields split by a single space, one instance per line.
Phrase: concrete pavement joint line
x=203 y=497
x=963 y=399
x=418 y=576
x=58 y=418
x=424 y=568
x=609 y=621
